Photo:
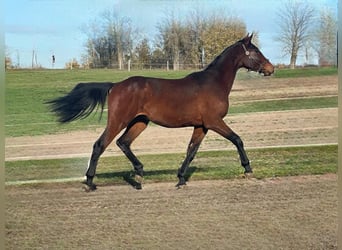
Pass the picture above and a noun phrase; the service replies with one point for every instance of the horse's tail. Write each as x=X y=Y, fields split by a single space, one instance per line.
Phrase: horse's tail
x=81 y=101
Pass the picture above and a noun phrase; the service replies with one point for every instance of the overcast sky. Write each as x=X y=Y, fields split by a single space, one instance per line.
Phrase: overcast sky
x=54 y=26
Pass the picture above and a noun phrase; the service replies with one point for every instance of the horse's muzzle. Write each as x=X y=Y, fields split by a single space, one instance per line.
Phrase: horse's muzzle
x=267 y=69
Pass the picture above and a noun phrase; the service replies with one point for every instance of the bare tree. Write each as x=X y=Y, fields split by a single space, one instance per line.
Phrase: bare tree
x=110 y=39
x=196 y=25
x=294 y=19
x=172 y=34
x=119 y=34
x=327 y=38
x=93 y=31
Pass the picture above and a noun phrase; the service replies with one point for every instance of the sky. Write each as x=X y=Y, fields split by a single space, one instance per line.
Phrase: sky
x=54 y=27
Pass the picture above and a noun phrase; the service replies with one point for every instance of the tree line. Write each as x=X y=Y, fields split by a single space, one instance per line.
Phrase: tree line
x=113 y=42
x=194 y=41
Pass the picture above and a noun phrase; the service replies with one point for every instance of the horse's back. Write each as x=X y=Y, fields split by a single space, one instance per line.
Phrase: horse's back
x=167 y=102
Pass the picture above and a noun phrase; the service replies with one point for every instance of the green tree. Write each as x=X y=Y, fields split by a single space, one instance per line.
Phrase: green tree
x=198 y=39
x=219 y=33
x=158 y=58
x=143 y=54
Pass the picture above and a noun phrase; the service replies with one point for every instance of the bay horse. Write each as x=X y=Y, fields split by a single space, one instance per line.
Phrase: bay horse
x=199 y=100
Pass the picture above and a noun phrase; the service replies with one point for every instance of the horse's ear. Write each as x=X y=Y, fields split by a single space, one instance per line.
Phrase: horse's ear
x=251 y=37
x=247 y=39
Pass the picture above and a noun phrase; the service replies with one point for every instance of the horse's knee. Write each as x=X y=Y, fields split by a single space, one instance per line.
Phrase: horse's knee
x=235 y=139
x=122 y=144
x=98 y=147
x=119 y=143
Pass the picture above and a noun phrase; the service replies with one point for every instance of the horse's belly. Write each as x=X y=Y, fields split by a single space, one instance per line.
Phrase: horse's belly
x=175 y=118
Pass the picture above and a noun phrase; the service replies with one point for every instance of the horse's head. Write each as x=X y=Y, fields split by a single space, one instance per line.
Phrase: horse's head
x=253 y=59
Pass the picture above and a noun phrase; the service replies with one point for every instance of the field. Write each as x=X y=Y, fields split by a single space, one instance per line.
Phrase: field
x=288 y=123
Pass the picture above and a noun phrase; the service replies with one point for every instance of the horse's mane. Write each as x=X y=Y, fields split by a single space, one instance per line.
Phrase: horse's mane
x=217 y=58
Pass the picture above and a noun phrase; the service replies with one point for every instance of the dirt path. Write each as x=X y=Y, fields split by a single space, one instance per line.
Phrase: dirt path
x=300 y=127
x=281 y=213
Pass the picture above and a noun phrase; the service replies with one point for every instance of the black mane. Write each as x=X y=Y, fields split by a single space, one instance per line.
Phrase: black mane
x=217 y=58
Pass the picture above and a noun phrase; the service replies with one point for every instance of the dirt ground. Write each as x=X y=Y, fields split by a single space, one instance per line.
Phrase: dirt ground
x=281 y=213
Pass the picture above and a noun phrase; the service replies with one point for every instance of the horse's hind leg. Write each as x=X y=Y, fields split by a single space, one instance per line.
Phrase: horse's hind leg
x=133 y=130
x=196 y=139
x=98 y=148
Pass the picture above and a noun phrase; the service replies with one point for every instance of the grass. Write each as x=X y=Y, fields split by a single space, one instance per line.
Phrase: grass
x=287 y=104
x=274 y=162
x=25 y=114
x=27 y=90
x=305 y=72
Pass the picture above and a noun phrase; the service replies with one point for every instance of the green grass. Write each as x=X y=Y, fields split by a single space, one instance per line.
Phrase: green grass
x=273 y=162
x=287 y=104
x=27 y=90
x=25 y=114
x=305 y=72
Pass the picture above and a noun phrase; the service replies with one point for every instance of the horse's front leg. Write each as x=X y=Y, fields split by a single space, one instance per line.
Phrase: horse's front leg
x=221 y=128
x=236 y=140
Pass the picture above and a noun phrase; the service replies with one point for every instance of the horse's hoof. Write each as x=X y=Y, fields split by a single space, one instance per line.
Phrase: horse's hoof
x=138 y=178
x=181 y=183
x=138 y=182
x=248 y=175
x=180 y=186
x=89 y=187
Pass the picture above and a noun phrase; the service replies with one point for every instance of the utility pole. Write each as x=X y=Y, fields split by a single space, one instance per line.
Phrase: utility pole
x=32 y=65
x=34 y=59
x=203 y=57
x=18 y=59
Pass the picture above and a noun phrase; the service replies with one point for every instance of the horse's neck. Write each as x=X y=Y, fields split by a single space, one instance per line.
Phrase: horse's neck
x=227 y=69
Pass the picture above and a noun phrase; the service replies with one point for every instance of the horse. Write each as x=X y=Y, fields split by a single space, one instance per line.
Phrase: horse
x=199 y=100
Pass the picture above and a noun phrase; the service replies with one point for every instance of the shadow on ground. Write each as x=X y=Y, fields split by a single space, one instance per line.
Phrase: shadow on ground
x=130 y=178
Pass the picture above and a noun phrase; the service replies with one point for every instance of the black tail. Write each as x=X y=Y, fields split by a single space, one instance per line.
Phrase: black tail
x=81 y=101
